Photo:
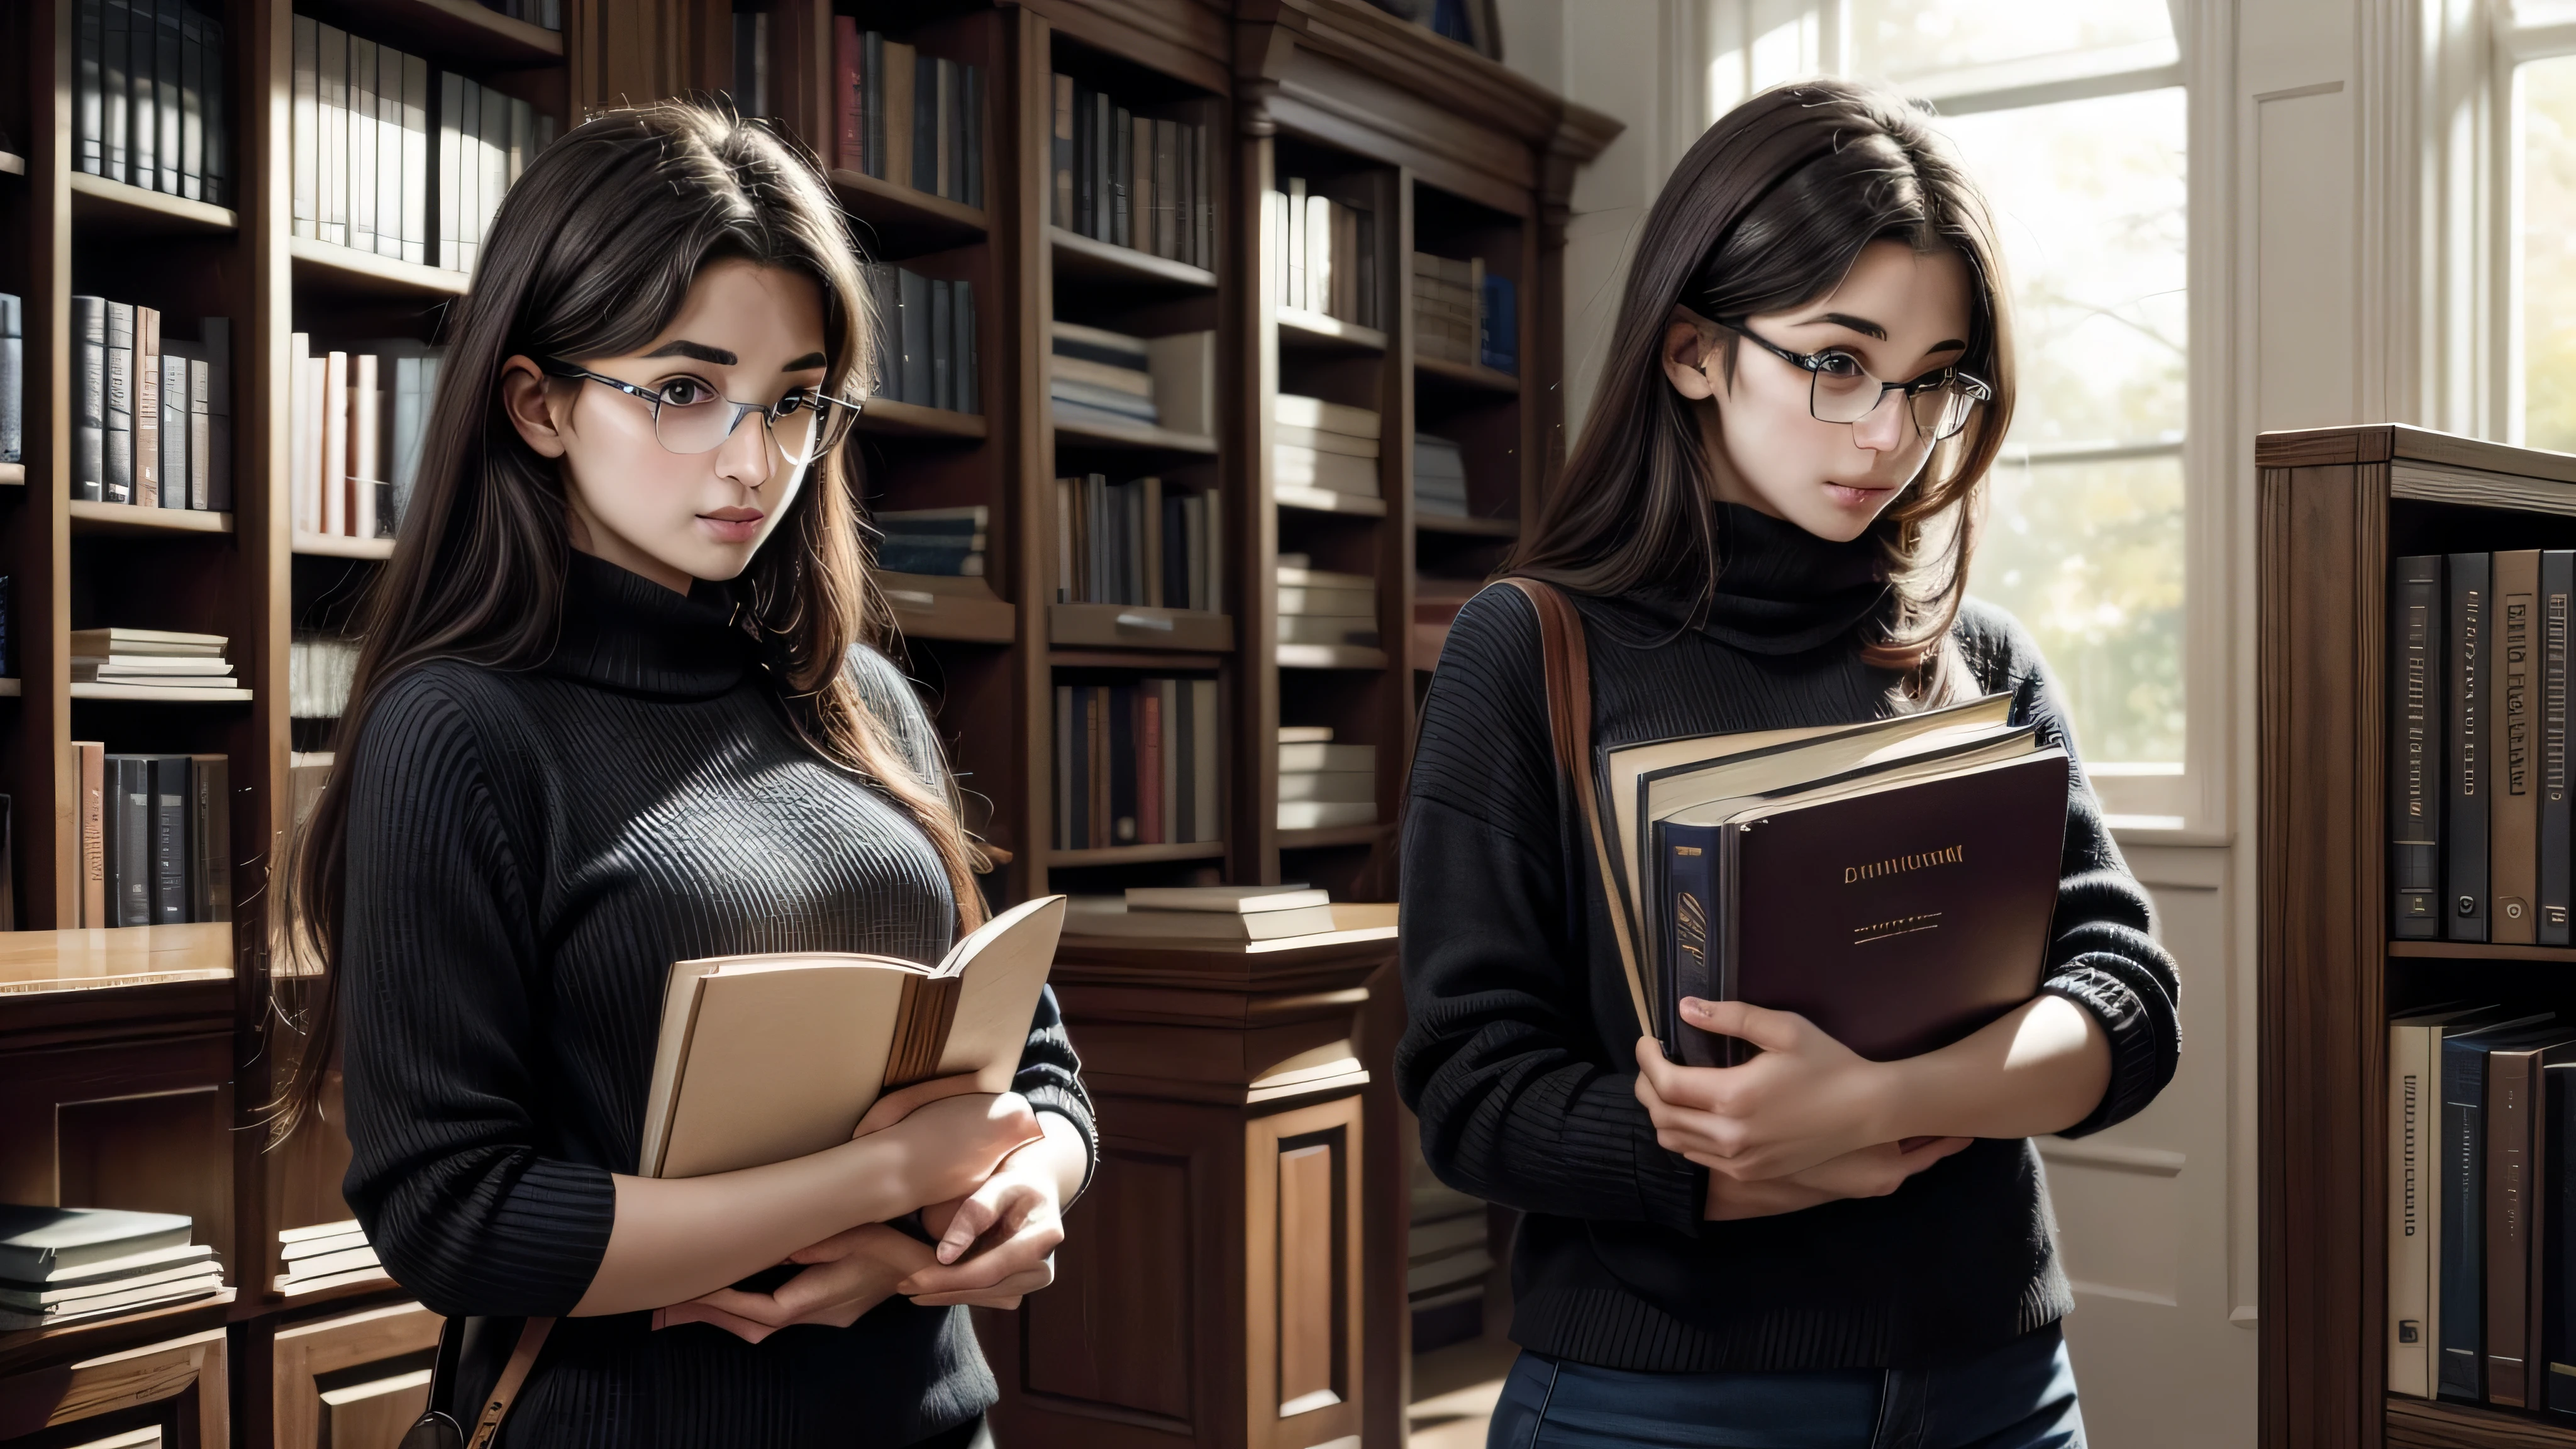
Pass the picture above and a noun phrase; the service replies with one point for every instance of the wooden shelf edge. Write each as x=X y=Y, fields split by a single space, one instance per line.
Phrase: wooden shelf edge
x=1322 y=329
x=147 y=211
x=1137 y=626
x=1141 y=435
x=111 y=1333
x=963 y=610
x=1324 y=500
x=1469 y=374
x=370 y=273
x=1075 y=252
x=1135 y=854
x=160 y=693
x=2434 y=1424
x=458 y=33
x=2479 y=951
x=94 y=957
x=10 y=688
x=1465 y=527
x=12 y=164
x=90 y=516
x=1330 y=656
x=333 y=545
x=889 y=418
x=880 y=200
x=13 y=474
x=1324 y=835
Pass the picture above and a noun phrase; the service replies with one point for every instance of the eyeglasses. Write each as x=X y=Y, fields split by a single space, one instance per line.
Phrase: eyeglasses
x=1840 y=390
x=690 y=418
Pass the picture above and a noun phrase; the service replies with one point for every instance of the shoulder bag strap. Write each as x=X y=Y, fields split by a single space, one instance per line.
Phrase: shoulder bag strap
x=1568 y=669
x=513 y=1375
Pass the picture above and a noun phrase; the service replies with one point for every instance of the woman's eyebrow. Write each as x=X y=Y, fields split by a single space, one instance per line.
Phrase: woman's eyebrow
x=697 y=350
x=810 y=359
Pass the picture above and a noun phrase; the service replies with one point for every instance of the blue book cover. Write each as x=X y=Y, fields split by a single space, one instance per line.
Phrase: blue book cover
x=1499 y=325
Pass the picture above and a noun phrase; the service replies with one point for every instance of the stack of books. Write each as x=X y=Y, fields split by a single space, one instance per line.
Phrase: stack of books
x=1322 y=783
x=1138 y=543
x=319 y=669
x=355 y=421
x=1318 y=607
x=1202 y=916
x=155 y=838
x=1130 y=179
x=1098 y=375
x=902 y=116
x=1323 y=253
x=1462 y=313
x=945 y=541
x=150 y=656
x=152 y=419
x=1136 y=764
x=325 y=1255
x=925 y=339
x=149 y=108
x=1330 y=447
x=1439 y=477
x=66 y=1265
x=13 y=380
x=1446 y=1261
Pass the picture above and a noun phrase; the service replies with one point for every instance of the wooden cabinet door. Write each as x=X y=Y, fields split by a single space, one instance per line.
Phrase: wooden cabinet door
x=353 y=1382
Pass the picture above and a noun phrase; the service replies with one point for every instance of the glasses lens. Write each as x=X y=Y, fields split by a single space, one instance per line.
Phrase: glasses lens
x=1843 y=398
x=1942 y=412
x=793 y=431
x=694 y=423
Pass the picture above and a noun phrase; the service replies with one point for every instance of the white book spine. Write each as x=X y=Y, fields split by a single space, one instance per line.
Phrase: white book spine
x=331 y=70
x=366 y=445
x=495 y=134
x=303 y=137
x=362 y=143
x=335 y=443
x=201 y=440
x=2414 y=1115
x=299 y=423
x=451 y=104
x=415 y=167
x=389 y=152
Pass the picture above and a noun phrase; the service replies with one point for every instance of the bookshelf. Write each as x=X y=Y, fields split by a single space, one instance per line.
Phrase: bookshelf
x=2337 y=507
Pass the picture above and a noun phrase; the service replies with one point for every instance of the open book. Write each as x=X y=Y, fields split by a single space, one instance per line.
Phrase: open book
x=772 y=1057
x=1892 y=881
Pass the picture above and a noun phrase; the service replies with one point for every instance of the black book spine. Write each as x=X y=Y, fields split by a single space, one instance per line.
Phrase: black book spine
x=1122 y=765
x=169 y=839
x=2468 y=695
x=2557 y=598
x=1082 y=188
x=1185 y=778
x=943 y=333
x=132 y=861
x=2558 y=1253
x=2415 y=760
x=2463 y=1282
x=89 y=398
x=1687 y=857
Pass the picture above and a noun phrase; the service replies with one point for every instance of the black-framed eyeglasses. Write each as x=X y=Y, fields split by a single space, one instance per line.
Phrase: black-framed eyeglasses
x=1840 y=390
x=690 y=417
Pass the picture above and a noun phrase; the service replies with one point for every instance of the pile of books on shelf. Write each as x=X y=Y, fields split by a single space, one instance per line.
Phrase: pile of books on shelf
x=944 y=541
x=65 y=1265
x=1436 y=602
x=150 y=656
x=1136 y=764
x=1320 y=607
x=152 y=418
x=394 y=157
x=1446 y=1260
x=325 y=1255
x=355 y=421
x=155 y=838
x=1462 y=313
x=148 y=100
x=925 y=339
x=13 y=379
x=1138 y=542
x=1322 y=783
x=1328 y=447
x=1439 y=477
x=2479 y=836
x=1201 y=917
x=1323 y=253
x=1099 y=376
x=319 y=670
x=903 y=116
x=544 y=14
x=1133 y=180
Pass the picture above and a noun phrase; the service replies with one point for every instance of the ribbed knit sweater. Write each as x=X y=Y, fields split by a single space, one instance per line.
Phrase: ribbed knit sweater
x=528 y=853
x=1520 y=1055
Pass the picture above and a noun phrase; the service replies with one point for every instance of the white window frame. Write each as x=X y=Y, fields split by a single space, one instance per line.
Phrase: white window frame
x=1749 y=42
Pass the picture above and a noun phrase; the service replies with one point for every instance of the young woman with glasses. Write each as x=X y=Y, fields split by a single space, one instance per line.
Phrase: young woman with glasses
x=619 y=704
x=1767 y=522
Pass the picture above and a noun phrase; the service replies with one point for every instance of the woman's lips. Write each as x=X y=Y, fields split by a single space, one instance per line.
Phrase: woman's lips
x=733 y=525
x=1852 y=497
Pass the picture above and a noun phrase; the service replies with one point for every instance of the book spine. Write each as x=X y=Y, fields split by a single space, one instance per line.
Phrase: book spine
x=89 y=101
x=219 y=169
x=2410 y=1258
x=1064 y=836
x=210 y=871
x=2539 y=1216
x=850 y=137
x=130 y=839
x=2558 y=1244
x=943 y=329
x=1104 y=830
x=389 y=152
x=13 y=379
x=305 y=164
x=119 y=421
x=2463 y=1310
x=165 y=101
x=141 y=96
x=1206 y=757
x=970 y=396
x=216 y=476
x=331 y=105
x=1121 y=176
x=1689 y=859
x=2557 y=599
x=914 y=301
x=1184 y=760
x=2465 y=818
x=93 y=832
x=147 y=407
x=105 y=85
x=451 y=106
x=193 y=62
x=416 y=240
x=872 y=102
x=169 y=776
x=1149 y=763
x=177 y=457
x=2508 y=1261
x=1061 y=152
x=2513 y=739
x=335 y=444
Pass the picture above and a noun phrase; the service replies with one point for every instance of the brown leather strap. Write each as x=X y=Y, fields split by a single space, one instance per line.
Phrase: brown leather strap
x=1568 y=667
x=514 y=1374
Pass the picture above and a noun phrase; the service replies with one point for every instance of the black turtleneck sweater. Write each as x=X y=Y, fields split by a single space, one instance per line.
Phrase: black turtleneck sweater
x=1520 y=1057
x=528 y=853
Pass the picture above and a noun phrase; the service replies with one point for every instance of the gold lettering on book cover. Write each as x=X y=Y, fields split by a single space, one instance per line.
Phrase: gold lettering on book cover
x=1690 y=928
x=1889 y=930
x=1900 y=864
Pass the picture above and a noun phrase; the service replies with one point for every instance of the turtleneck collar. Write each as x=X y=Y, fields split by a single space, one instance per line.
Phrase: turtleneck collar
x=1780 y=589
x=624 y=631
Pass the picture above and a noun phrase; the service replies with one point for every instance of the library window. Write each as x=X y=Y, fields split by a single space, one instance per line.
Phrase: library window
x=2071 y=116
x=2541 y=320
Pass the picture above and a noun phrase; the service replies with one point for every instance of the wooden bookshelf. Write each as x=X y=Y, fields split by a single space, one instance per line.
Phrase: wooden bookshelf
x=2337 y=507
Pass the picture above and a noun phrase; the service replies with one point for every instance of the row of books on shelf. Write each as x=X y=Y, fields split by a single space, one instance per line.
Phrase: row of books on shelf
x=1323 y=445
x=319 y=670
x=925 y=338
x=1138 y=542
x=1323 y=253
x=905 y=116
x=544 y=14
x=1439 y=477
x=148 y=96
x=152 y=416
x=1463 y=313
x=947 y=542
x=1137 y=763
x=13 y=379
x=60 y=1266
x=1120 y=176
x=355 y=421
x=1322 y=783
x=2479 y=825
x=1096 y=375
x=1203 y=917
x=394 y=157
x=1320 y=607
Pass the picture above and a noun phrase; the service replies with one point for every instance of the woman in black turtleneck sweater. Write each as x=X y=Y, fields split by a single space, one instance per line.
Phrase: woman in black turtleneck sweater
x=1758 y=533
x=618 y=705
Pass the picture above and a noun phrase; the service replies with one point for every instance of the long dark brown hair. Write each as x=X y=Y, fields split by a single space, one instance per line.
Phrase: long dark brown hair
x=591 y=255
x=1769 y=210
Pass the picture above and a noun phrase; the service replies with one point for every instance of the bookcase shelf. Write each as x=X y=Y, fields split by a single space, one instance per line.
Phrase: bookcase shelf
x=131 y=519
x=9 y=688
x=12 y=164
x=104 y=207
x=1472 y=377
x=328 y=266
x=1324 y=836
x=901 y=221
x=1085 y=259
x=159 y=693
x=1330 y=656
x=1324 y=500
x=1138 y=437
x=336 y=545
x=457 y=33
x=13 y=475
x=961 y=610
x=77 y=1341
x=1315 y=331
x=1136 y=854
x=1466 y=527
x=892 y=418
x=1137 y=626
x=2433 y=1424
x=2479 y=951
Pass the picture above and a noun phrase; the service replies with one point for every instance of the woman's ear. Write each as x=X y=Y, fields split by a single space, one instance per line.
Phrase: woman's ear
x=1687 y=348
x=524 y=396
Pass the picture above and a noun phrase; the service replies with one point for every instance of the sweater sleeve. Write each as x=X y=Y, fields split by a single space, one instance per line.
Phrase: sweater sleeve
x=2103 y=955
x=1505 y=1060
x=442 y=1004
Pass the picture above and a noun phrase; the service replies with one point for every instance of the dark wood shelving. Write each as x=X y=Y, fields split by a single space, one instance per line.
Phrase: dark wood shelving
x=898 y=221
x=1082 y=258
x=337 y=545
x=1473 y=377
x=1324 y=500
x=1136 y=854
x=1133 y=659
x=1321 y=836
x=1466 y=527
x=329 y=267
x=1137 y=626
x=1135 y=437
x=2479 y=951
x=102 y=1336
x=455 y=33
x=888 y=417
x=112 y=207
x=1330 y=656
x=1316 y=332
x=12 y=164
x=135 y=520
x=2434 y=1424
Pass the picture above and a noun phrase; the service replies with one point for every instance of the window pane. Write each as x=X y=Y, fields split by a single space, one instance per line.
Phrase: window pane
x=2089 y=196
x=2548 y=240
x=1913 y=40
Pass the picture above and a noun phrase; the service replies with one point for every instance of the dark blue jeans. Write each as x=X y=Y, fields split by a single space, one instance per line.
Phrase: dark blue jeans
x=2021 y=1396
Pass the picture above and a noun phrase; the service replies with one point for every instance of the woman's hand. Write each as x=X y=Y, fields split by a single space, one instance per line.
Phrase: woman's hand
x=1018 y=1217
x=849 y=1274
x=1870 y=1172
x=953 y=1139
x=1806 y=1100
